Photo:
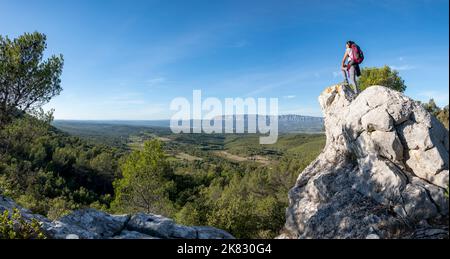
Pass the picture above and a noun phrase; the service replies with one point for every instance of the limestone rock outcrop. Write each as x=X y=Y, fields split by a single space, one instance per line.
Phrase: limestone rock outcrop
x=94 y=224
x=383 y=172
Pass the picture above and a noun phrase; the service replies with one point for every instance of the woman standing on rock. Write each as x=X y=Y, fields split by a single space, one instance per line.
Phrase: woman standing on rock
x=353 y=56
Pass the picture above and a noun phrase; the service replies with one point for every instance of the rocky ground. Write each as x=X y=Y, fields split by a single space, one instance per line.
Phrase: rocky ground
x=383 y=173
x=93 y=224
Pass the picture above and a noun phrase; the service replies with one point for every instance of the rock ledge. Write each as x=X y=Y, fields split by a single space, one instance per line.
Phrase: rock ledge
x=94 y=224
x=382 y=174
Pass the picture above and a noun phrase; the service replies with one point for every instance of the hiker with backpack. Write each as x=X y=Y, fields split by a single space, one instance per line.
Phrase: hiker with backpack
x=350 y=63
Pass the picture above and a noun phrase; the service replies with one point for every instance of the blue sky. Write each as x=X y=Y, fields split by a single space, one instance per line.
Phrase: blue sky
x=129 y=59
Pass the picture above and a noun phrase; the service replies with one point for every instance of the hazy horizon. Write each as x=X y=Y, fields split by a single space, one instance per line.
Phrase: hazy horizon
x=168 y=119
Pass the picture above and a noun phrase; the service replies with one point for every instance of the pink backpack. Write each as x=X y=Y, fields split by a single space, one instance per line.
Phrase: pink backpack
x=357 y=54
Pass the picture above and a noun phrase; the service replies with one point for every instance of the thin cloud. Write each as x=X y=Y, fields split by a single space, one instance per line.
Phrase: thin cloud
x=403 y=67
x=270 y=86
x=125 y=99
x=306 y=111
x=279 y=79
x=126 y=102
x=155 y=81
x=172 y=50
x=240 y=44
x=441 y=98
x=289 y=96
x=337 y=74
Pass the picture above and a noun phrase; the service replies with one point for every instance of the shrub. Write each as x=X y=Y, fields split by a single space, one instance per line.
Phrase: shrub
x=384 y=76
x=16 y=227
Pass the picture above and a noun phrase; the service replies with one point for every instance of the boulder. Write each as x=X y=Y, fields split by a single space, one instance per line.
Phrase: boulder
x=384 y=170
x=94 y=224
x=159 y=226
x=100 y=223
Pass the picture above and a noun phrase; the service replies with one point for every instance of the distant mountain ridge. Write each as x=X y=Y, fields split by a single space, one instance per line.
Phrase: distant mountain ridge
x=299 y=123
x=299 y=118
x=290 y=123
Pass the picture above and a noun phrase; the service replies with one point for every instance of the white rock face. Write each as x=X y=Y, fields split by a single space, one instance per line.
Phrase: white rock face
x=385 y=162
x=161 y=227
x=93 y=224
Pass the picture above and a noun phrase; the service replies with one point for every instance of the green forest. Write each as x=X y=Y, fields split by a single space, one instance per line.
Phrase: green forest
x=53 y=173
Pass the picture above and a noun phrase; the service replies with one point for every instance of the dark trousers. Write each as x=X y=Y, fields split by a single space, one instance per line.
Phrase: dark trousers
x=353 y=71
